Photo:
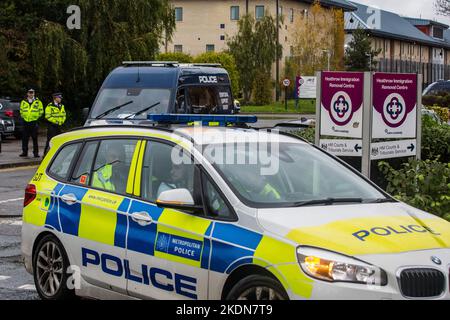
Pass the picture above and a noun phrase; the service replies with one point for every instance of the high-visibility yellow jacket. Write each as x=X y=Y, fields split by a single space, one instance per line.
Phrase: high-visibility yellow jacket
x=270 y=191
x=102 y=179
x=54 y=114
x=31 y=111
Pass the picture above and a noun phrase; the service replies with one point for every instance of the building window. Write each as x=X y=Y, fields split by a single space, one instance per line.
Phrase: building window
x=234 y=14
x=259 y=12
x=291 y=15
x=438 y=33
x=222 y=26
x=210 y=48
x=179 y=14
x=222 y=37
x=178 y=48
x=280 y=10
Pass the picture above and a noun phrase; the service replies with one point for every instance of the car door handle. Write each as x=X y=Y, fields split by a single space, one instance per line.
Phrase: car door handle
x=69 y=199
x=142 y=218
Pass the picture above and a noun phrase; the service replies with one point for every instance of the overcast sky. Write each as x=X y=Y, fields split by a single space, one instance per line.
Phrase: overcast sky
x=413 y=8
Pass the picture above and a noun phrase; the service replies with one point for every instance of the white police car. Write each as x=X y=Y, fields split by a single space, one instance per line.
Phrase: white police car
x=191 y=212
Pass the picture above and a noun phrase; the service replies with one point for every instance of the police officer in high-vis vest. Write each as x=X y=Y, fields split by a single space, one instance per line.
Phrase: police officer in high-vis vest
x=31 y=110
x=55 y=114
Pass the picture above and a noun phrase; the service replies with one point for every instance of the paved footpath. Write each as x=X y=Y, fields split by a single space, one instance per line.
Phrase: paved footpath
x=12 y=148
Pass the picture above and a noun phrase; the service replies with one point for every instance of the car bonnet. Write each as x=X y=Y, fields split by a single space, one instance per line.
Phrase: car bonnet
x=358 y=229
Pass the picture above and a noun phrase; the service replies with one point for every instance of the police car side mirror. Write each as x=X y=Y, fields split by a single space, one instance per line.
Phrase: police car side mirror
x=85 y=113
x=179 y=199
x=176 y=196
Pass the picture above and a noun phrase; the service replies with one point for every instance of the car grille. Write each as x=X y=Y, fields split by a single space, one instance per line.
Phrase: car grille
x=422 y=283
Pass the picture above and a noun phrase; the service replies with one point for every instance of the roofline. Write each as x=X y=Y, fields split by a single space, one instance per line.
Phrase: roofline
x=331 y=3
x=431 y=22
x=431 y=42
x=383 y=34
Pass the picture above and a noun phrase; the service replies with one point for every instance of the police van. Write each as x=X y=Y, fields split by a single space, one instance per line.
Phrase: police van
x=220 y=210
x=136 y=89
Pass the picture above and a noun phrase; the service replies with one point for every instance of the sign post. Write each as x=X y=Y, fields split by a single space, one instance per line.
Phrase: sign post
x=299 y=81
x=286 y=84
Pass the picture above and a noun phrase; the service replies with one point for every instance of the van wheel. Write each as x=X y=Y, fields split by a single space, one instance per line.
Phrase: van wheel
x=256 y=288
x=50 y=270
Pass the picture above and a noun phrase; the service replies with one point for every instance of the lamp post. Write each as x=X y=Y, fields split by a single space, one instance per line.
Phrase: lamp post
x=328 y=57
x=277 y=67
x=370 y=60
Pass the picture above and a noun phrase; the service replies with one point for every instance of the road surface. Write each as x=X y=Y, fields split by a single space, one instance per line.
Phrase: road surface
x=15 y=282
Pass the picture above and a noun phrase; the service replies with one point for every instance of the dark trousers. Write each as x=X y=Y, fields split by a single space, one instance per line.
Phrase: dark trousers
x=52 y=131
x=30 y=129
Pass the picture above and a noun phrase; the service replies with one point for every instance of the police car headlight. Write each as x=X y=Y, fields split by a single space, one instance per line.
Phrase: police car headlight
x=334 y=267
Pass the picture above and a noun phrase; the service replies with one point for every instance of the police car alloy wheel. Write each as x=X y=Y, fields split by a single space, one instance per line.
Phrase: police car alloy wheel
x=256 y=288
x=50 y=265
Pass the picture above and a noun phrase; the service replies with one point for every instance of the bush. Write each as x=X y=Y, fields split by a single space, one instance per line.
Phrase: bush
x=228 y=63
x=421 y=184
x=175 y=56
x=262 y=89
x=443 y=113
x=435 y=140
x=442 y=99
x=308 y=134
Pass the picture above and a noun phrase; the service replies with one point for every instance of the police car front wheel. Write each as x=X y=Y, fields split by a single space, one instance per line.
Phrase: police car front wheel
x=50 y=270
x=257 y=287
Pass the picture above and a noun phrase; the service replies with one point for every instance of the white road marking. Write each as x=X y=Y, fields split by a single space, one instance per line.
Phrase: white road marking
x=30 y=287
x=11 y=200
x=2 y=278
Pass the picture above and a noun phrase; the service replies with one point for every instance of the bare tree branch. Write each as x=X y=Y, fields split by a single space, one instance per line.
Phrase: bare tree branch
x=442 y=7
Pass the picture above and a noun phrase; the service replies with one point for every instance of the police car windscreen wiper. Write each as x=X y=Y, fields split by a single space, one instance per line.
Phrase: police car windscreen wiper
x=104 y=114
x=142 y=111
x=381 y=200
x=328 y=201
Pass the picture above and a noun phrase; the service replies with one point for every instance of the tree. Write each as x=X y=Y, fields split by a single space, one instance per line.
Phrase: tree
x=227 y=61
x=254 y=49
x=442 y=7
x=175 y=56
x=310 y=49
x=51 y=57
x=359 y=56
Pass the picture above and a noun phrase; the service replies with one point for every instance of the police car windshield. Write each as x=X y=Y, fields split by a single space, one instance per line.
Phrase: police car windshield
x=287 y=175
x=140 y=97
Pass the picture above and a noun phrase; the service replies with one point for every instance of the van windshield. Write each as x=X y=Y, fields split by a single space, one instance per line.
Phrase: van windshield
x=140 y=98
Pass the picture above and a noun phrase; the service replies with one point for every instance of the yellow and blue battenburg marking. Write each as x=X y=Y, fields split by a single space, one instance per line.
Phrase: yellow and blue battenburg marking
x=221 y=247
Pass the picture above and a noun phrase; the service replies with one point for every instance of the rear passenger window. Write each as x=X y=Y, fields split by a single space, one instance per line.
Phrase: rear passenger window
x=82 y=172
x=112 y=165
x=63 y=161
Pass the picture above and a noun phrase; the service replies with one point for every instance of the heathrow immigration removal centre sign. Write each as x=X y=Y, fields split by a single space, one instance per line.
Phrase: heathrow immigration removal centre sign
x=362 y=107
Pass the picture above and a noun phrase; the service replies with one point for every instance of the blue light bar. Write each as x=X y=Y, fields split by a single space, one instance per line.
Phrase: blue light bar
x=205 y=119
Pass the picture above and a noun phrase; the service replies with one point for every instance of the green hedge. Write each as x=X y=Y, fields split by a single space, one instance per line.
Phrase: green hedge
x=435 y=140
x=422 y=184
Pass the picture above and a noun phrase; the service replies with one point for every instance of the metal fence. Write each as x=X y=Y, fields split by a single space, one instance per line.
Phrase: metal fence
x=431 y=72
